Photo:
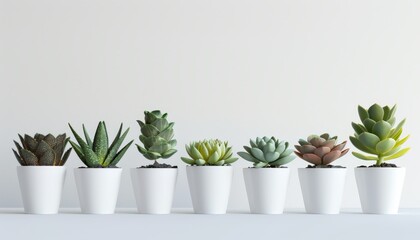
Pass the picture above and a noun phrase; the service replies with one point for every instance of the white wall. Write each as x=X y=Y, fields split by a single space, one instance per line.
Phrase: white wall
x=231 y=69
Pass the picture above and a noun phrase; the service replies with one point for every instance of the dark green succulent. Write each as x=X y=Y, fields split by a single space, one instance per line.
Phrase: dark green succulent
x=267 y=152
x=42 y=150
x=99 y=154
x=157 y=136
x=377 y=136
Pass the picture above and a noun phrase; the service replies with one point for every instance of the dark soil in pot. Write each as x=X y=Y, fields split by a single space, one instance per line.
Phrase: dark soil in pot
x=158 y=165
x=324 y=166
x=382 y=165
x=270 y=167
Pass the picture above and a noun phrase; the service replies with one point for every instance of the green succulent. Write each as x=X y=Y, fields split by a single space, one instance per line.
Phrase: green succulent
x=377 y=136
x=320 y=150
x=157 y=136
x=99 y=154
x=209 y=153
x=267 y=152
x=42 y=150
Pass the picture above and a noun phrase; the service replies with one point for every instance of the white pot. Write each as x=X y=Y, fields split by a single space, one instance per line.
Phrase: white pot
x=98 y=189
x=210 y=188
x=41 y=188
x=266 y=189
x=322 y=189
x=154 y=189
x=380 y=189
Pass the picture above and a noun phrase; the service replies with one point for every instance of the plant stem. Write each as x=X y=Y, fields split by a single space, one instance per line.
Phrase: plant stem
x=379 y=161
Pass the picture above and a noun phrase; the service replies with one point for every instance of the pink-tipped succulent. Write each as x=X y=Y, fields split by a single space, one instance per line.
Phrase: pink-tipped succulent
x=320 y=150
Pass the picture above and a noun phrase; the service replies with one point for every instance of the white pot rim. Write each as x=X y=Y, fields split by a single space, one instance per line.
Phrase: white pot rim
x=98 y=169
x=189 y=166
x=267 y=169
x=154 y=169
x=38 y=167
x=379 y=169
x=322 y=169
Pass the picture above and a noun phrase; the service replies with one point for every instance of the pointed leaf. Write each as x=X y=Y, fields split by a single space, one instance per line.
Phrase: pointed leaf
x=358 y=128
x=29 y=158
x=283 y=161
x=195 y=154
x=364 y=157
x=213 y=158
x=78 y=151
x=231 y=160
x=30 y=143
x=402 y=141
x=112 y=152
x=397 y=155
x=120 y=154
x=168 y=153
x=258 y=154
x=100 y=142
x=248 y=157
x=20 y=160
x=87 y=137
x=360 y=146
x=187 y=160
x=369 y=123
x=397 y=128
x=65 y=157
x=363 y=113
x=200 y=162
x=47 y=159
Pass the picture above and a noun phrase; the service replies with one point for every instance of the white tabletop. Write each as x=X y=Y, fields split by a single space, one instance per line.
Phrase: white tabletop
x=183 y=224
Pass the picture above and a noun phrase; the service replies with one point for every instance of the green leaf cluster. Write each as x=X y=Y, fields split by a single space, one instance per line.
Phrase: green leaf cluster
x=98 y=153
x=377 y=135
x=42 y=150
x=157 y=136
x=267 y=152
x=209 y=153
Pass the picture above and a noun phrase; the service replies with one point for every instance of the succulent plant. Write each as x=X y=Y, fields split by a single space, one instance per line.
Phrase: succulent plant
x=267 y=152
x=99 y=154
x=209 y=153
x=157 y=136
x=320 y=150
x=42 y=150
x=377 y=135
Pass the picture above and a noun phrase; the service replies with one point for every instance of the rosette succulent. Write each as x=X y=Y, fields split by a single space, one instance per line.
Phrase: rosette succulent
x=98 y=153
x=320 y=150
x=377 y=135
x=157 y=136
x=267 y=152
x=42 y=150
x=209 y=153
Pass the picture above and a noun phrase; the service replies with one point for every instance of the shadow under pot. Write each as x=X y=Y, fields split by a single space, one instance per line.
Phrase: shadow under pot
x=210 y=188
x=98 y=189
x=380 y=189
x=154 y=189
x=41 y=188
x=264 y=197
x=322 y=189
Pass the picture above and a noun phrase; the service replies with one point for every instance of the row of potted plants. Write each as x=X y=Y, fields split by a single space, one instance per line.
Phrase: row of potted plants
x=41 y=174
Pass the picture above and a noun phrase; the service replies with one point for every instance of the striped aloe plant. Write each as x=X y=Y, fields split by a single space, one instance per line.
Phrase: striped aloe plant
x=98 y=153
